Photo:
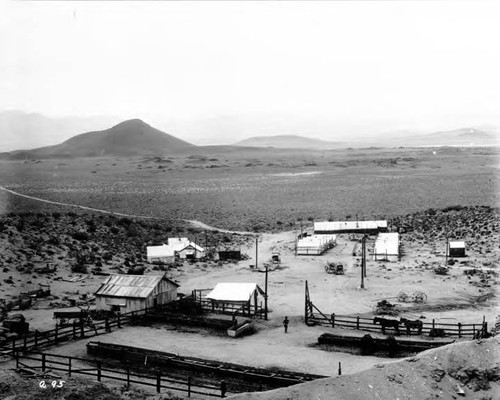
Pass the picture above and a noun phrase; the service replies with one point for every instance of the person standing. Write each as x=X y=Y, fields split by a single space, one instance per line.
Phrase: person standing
x=285 y=324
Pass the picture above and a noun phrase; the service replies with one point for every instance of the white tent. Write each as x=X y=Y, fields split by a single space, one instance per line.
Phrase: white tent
x=316 y=244
x=386 y=247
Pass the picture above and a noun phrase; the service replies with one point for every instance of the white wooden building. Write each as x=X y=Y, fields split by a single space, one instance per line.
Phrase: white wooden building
x=176 y=248
x=456 y=248
x=126 y=293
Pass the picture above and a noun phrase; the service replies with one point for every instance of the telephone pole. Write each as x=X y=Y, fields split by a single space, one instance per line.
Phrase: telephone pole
x=256 y=252
x=265 y=295
x=363 y=261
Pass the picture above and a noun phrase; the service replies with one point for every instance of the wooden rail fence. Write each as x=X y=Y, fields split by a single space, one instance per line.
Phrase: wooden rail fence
x=313 y=316
x=39 y=339
x=94 y=368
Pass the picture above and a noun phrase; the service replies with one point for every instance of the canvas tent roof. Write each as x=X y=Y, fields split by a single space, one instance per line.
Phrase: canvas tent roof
x=387 y=243
x=316 y=240
x=457 y=244
x=233 y=291
x=160 y=251
x=327 y=226
x=135 y=286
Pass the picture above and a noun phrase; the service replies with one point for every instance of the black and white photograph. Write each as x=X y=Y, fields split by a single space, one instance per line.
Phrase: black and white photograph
x=254 y=200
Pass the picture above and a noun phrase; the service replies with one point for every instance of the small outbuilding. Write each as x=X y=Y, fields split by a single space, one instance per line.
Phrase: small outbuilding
x=237 y=298
x=456 y=249
x=225 y=255
x=127 y=293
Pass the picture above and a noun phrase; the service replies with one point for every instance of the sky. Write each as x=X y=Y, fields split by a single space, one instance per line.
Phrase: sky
x=218 y=72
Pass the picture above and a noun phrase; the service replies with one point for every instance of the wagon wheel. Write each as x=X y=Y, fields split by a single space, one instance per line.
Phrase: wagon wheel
x=402 y=297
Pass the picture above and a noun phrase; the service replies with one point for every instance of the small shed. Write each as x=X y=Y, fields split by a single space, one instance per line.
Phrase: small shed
x=127 y=293
x=456 y=249
x=225 y=255
x=238 y=298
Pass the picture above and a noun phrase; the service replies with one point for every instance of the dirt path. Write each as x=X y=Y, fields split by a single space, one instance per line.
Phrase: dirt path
x=202 y=225
x=195 y=223
x=73 y=205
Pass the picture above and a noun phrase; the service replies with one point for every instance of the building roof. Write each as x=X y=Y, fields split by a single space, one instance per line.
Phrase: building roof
x=173 y=245
x=316 y=240
x=193 y=246
x=387 y=243
x=233 y=291
x=459 y=244
x=160 y=251
x=349 y=225
x=136 y=286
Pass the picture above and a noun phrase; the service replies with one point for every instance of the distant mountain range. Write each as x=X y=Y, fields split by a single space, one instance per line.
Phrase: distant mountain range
x=457 y=137
x=129 y=138
x=290 y=142
x=137 y=138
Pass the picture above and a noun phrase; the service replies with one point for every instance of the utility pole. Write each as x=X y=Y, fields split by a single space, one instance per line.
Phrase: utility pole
x=446 y=255
x=363 y=249
x=265 y=296
x=364 y=257
x=256 y=252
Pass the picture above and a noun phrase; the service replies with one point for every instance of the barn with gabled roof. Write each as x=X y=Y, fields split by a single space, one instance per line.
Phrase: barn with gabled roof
x=127 y=293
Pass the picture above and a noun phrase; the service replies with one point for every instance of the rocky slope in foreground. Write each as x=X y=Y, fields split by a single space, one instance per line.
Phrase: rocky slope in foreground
x=467 y=370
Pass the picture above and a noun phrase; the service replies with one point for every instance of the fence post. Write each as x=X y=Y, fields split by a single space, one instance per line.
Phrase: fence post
x=55 y=335
x=357 y=322
x=459 y=330
x=128 y=377
x=189 y=386
x=69 y=366
x=13 y=346
x=118 y=321
x=43 y=362
x=340 y=368
x=74 y=331
x=433 y=324
x=106 y=324
x=333 y=320
x=25 y=340
x=158 y=380
x=82 y=333
x=473 y=330
x=36 y=338
x=99 y=372
x=223 y=389
x=17 y=359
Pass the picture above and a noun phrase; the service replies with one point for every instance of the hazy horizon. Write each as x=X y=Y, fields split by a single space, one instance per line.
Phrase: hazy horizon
x=220 y=72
